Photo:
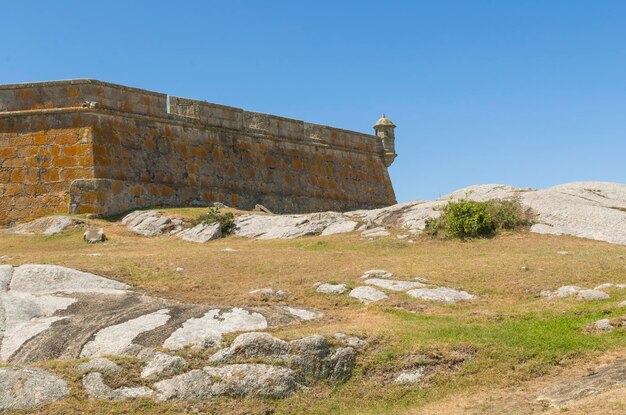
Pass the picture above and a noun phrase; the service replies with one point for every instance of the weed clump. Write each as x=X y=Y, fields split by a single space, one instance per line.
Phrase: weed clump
x=225 y=219
x=470 y=219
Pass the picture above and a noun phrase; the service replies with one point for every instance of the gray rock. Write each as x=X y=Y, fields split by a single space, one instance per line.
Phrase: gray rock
x=314 y=346
x=269 y=292
x=603 y=325
x=308 y=356
x=342 y=364
x=151 y=223
x=35 y=278
x=291 y=226
x=351 y=341
x=207 y=331
x=260 y=208
x=161 y=364
x=50 y=225
x=608 y=285
x=135 y=350
x=566 y=291
x=603 y=378
x=582 y=209
x=201 y=233
x=411 y=376
x=96 y=389
x=196 y=385
x=441 y=294
x=29 y=388
x=302 y=313
x=254 y=380
x=376 y=273
x=114 y=339
x=341 y=226
x=332 y=288
x=591 y=295
x=622 y=304
x=241 y=380
x=253 y=345
x=367 y=294
x=41 y=304
x=393 y=285
x=99 y=364
x=94 y=235
x=6 y=272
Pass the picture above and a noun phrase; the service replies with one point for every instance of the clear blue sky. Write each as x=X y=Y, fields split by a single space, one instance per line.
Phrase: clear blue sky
x=528 y=93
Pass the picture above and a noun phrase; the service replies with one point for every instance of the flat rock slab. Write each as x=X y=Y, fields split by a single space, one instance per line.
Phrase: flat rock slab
x=367 y=294
x=207 y=330
x=29 y=388
x=603 y=378
x=50 y=225
x=292 y=226
x=411 y=376
x=593 y=210
x=394 y=285
x=50 y=312
x=331 y=288
x=302 y=313
x=441 y=294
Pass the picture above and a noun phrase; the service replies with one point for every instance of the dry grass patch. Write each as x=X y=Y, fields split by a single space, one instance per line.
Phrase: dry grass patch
x=515 y=336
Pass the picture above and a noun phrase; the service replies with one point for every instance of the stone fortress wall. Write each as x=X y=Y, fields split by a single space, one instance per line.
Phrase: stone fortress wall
x=86 y=146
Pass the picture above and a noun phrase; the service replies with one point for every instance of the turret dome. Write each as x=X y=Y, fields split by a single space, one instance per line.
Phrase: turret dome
x=384 y=121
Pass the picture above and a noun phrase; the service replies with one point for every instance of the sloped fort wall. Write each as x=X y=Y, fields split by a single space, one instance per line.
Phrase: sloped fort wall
x=86 y=146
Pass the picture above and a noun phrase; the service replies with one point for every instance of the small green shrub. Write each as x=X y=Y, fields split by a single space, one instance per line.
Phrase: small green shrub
x=225 y=219
x=470 y=219
x=509 y=214
x=466 y=218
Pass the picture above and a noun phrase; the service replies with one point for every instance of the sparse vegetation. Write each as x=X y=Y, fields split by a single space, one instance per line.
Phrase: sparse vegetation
x=225 y=219
x=516 y=340
x=471 y=219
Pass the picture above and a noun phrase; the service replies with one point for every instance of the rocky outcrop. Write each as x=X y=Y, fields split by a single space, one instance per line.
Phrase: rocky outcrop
x=50 y=225
x=22 y=388
x=594 y=210
x=382 y=279
x=152 y=223
x=287 y=366
x=239 y=380
x=49 y=312
x=597 y=293
x=441 y=294
x=393 y=285
x=602 y=379
x=158 y=363
x=292 y=226
x=331 y=288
